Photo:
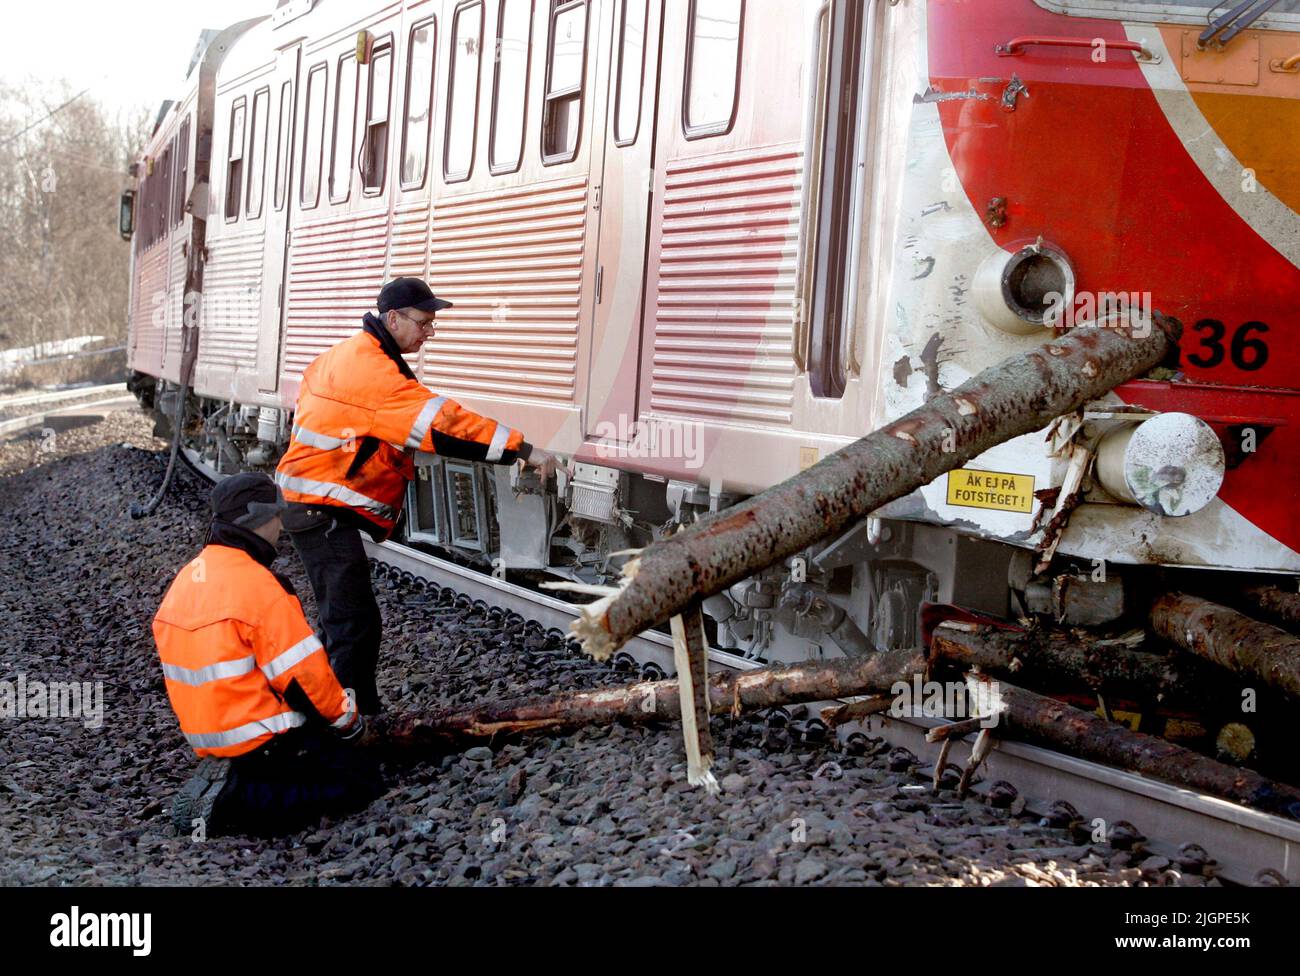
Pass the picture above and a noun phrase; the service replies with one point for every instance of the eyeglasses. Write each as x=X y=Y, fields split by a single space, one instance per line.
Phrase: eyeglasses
x=428 y=324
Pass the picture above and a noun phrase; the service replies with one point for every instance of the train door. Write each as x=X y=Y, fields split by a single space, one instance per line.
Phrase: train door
x=284 y=89
x=724 y=347
x=517 y=197
x=624 y=198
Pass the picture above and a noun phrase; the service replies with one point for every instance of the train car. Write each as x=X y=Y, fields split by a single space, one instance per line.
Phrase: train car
x=698 y=245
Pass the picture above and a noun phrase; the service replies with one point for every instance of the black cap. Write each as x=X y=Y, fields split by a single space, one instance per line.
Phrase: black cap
x=250 y=500
x=409 y=293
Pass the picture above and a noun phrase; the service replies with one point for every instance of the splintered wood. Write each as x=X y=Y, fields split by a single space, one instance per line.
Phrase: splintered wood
x=691 y=656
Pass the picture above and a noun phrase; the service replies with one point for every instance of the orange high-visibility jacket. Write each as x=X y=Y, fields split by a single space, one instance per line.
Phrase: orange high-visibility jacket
x=354 y=392
x=231 y=639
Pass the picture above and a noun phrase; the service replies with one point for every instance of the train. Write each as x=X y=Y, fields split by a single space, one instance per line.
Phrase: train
x=697 y=245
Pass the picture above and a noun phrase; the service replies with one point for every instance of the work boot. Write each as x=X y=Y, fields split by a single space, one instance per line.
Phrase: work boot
x=198 y=797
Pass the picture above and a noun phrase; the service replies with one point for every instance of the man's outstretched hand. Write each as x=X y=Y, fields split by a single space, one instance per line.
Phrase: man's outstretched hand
x=546 y=463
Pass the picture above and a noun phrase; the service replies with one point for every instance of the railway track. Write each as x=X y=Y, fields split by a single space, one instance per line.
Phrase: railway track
x=54 y=404
x=1243 y=841
x=1249 y=846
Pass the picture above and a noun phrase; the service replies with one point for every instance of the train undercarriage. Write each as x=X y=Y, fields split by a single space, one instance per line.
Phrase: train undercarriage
x=882 y=585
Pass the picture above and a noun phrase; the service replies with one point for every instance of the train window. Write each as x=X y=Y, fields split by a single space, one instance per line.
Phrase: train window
x=510 y=85
x=712 y=66
x=374 y=158
x=235 y=159
x=837 y=198
x=182 y=172
x=631 y=71
x=283 y=135
x=257 y=152
x=419 y=104
x=565 y=69
x=345 y=126
x=165 y=188
x=466 y=47
x=313 y=138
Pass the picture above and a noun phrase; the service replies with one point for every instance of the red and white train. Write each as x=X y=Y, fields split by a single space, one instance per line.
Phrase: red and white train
x=698 y=244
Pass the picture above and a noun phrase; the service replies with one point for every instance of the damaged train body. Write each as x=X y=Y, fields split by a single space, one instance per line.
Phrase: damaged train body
x=698 y=245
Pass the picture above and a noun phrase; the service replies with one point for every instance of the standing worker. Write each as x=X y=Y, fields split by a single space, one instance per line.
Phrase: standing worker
x=361 y=415
x=251 y=684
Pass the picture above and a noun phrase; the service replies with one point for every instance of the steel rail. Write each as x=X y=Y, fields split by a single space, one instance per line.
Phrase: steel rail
x=18 y=424
x=1243 y=841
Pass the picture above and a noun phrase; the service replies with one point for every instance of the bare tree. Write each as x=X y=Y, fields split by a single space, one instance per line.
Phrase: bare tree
x=63 y=164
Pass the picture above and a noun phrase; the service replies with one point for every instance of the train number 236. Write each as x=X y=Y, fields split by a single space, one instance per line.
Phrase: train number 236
x=1247 y=351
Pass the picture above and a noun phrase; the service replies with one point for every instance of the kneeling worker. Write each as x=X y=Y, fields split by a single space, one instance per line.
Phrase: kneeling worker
x=360 y=417
x=251 y=683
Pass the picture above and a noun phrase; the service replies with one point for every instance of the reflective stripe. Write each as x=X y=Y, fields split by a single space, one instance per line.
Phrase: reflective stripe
x=423 y=422
x=498 y=445
x=219 y=740
x=282 y=662
x=312 y=439
x=326 y=489
x=213 y=672
x=348 y=717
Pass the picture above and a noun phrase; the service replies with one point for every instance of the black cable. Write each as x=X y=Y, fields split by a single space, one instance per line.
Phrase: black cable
x=140 y=511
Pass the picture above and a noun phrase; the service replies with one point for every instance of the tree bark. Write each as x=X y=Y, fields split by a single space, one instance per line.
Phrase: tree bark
x=656 y=701
x=1070 y=730
x=1277 y=604
x=1018 y=396
x=1231 y=639
x=1048 y=660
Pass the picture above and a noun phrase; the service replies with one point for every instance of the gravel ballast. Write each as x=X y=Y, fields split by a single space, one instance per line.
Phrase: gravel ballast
x=607 y=806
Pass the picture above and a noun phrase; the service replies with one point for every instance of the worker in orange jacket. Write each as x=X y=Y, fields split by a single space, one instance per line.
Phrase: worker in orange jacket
x=361 y=415
x=251 y=683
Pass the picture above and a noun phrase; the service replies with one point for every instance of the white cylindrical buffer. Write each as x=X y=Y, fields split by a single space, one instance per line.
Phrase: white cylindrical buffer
x=1172 y=464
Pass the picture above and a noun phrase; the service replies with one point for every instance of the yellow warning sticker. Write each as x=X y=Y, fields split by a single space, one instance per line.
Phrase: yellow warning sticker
x=991 y=489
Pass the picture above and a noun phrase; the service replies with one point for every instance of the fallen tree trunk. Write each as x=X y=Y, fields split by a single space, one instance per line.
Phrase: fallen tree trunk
x=656 y=701
x=1051 y=723
x=1231 y=639
x=1055 y=659
x=1018 y=396
x=1278 y=604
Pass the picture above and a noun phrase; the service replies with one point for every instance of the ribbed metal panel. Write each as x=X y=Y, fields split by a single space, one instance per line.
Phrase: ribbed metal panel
x=408 y=250
x=147 y=327
x=511 y=261
x=232 y=293
x=724 y=295
x=336 y=268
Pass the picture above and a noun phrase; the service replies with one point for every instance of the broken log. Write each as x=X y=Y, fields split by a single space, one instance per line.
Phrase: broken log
x=1020 y=395
x=1054 y=659
x=834 y=716
x=1064 y=728
x=1230 y=639
x=1277 y=603
x=955 y=730
x=656 y=701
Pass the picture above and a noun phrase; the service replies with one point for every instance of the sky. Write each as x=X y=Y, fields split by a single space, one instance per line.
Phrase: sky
x=129 y=52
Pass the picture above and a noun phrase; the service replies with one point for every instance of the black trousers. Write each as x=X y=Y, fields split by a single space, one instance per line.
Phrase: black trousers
x=288 y=783
x=336 y=564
